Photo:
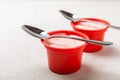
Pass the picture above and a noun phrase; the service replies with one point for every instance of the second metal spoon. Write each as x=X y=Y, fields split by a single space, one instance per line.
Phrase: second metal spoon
x=41 y=34
x=74 y=18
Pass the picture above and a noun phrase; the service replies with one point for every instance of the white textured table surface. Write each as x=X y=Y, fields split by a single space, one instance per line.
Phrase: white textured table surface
x=23 y=57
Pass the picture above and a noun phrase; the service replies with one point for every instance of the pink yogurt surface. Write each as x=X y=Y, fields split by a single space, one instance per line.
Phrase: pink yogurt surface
x=64 y=42
x=91 y=25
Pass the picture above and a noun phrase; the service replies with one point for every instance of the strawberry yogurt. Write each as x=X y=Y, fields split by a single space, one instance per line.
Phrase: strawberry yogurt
x=64 y=42
x=91 y=25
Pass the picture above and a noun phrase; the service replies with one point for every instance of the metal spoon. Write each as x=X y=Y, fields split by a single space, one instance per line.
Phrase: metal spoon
x=41 y=34
x=74 y=18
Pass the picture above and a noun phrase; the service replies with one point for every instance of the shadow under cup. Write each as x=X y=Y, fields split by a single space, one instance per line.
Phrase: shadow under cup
x=64 y=60
x=92 y=34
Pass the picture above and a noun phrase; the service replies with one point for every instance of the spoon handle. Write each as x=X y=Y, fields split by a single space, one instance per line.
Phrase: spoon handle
x=111 y=26
x=105 y=43
x=115 y=27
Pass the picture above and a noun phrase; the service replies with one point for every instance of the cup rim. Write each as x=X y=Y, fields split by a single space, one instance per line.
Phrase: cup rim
x=66 y=32
x=94 y=19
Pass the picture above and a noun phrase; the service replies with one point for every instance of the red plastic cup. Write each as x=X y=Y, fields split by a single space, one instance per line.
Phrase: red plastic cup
x=65 y=60
x=92 y=34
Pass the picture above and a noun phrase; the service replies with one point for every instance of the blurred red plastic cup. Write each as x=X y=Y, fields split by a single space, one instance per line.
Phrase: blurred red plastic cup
x=65 y=60
x=92 y=34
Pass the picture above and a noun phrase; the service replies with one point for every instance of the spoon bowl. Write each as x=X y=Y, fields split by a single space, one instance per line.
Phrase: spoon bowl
x=38 y=33
x=69 y=16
